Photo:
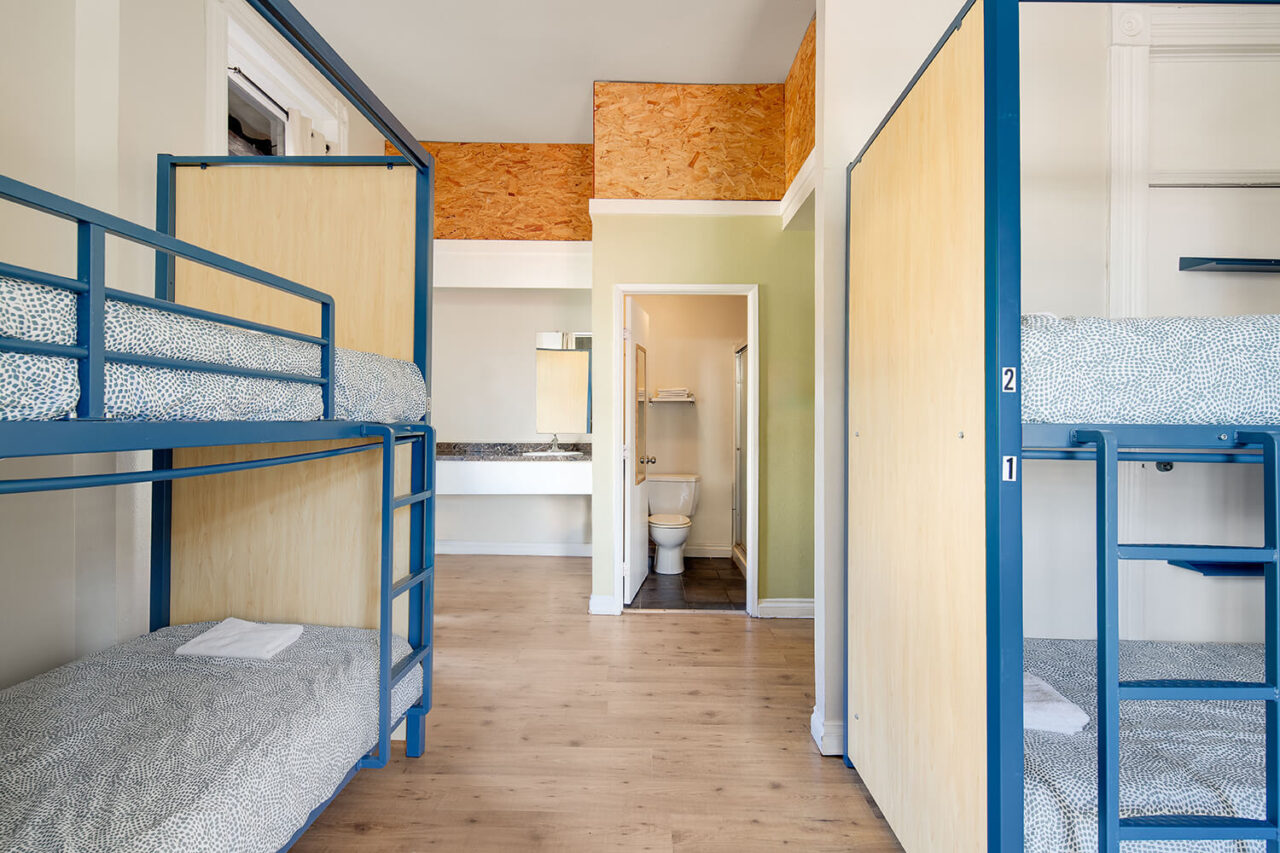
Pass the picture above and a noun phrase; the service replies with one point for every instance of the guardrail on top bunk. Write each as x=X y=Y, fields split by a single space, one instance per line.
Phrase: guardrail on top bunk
x=91 y=291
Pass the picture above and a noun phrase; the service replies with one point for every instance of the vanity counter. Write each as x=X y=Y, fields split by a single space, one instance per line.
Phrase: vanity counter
x=473 y=468
x=461 y=451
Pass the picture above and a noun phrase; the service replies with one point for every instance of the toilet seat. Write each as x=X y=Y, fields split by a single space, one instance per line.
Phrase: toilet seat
x=664 y=520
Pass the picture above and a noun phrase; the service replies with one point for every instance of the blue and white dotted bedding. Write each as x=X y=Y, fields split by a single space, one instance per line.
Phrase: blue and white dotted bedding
x=36 y=387
x=1175 y=757
x=139 y=749
x=1151 y=370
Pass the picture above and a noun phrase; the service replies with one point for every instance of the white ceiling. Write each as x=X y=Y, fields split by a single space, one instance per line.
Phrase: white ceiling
x=521 y=70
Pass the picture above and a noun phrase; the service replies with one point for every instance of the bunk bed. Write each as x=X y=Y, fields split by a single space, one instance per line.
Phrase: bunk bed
x=950 y=390
x=140 y=748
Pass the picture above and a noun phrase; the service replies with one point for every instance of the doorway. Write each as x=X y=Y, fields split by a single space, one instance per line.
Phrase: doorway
x=687 y=420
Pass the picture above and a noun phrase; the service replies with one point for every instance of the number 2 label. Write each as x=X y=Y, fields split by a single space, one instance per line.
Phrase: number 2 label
x=1009 y=380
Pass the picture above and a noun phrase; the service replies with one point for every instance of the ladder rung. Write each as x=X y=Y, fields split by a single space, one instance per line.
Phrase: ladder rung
x=405 y=584
x=1187 y=688
x=1178 y=827
x=400 y=670
x=416 y=497
x=1197 y=553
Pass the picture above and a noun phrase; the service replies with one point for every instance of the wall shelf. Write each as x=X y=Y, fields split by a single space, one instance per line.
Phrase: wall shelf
x=1269 y=265
x=688 y=399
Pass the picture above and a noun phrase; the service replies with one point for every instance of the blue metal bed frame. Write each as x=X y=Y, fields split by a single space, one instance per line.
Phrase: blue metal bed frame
x=1105 y=444
x=90 y=432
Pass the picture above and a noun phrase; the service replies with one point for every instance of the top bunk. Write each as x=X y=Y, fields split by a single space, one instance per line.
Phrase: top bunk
x=90 y=368
x=1181 y=383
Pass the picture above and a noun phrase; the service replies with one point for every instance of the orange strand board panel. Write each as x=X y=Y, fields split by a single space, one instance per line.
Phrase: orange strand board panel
x=511 y=191
x=800 y=103
x=674 y=141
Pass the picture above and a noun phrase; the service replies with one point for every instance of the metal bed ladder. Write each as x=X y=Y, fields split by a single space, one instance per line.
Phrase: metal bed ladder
x=418 y=584
x=1112 y=829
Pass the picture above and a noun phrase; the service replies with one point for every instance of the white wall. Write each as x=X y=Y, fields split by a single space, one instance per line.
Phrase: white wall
x=692 y=340
x=91 y=90
x=117 y=82
x=483 y=391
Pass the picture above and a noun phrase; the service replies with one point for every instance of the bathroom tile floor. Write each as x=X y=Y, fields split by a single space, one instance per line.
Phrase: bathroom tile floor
x=708 y=583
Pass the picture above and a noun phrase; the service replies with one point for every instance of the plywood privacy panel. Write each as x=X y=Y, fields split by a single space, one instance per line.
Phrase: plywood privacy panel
x=344 y=230
x=298 y=542
x=917 y=545
x=800 y=113
x=511 y=191
x=669 y=141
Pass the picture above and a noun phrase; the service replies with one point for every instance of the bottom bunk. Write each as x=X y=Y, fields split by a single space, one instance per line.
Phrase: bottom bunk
x=1198 y=757
x=138 y=748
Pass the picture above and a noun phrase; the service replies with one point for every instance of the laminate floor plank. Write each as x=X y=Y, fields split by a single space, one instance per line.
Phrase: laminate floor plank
x=557 y=731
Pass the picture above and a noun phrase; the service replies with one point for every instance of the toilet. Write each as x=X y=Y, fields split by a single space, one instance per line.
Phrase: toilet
x=673 y=498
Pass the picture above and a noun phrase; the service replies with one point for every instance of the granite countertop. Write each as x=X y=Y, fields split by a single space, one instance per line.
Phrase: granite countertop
x=468 y=451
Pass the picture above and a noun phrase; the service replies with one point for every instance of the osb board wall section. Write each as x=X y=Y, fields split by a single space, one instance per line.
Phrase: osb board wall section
x=298 y=542
x=917 y=546
x=666 y=141
x=511 y=191
x=800 y=108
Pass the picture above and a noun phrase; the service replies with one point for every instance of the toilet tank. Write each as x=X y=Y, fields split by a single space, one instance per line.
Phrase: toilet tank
x=673 y=494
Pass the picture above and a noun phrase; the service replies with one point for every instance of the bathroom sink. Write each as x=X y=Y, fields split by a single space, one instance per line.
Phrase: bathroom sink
x=553 y=453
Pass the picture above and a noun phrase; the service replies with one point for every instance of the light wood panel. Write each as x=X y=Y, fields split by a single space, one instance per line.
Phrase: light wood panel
x=917 y=547
x=800 y=113
x=557 y=731
x=299 y=542
x=675 y=141
x=511 y=191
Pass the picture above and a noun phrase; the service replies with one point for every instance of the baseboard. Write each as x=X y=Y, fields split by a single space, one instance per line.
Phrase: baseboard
x=514 y=549
x=785 y=608
x=708 y=550
x=604 y=605
x=827 y=734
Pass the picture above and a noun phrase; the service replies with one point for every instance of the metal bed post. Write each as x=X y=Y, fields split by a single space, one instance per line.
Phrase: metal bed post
x=1270 y=442
x=1108 y=613
x=91 y=318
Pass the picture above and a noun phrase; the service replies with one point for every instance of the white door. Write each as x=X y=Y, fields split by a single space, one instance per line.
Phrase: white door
x=635 y=490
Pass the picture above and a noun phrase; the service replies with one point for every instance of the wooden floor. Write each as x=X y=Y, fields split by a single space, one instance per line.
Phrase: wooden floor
x=554 y=730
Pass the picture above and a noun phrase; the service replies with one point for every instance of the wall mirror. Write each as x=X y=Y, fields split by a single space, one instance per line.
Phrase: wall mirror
x=563 y=384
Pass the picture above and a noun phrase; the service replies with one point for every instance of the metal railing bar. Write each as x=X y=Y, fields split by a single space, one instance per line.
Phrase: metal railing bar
x=121 y=478
x=42 y=348
x=34 y=197
x=210 y=367
x=202 y=314
x=45 y=278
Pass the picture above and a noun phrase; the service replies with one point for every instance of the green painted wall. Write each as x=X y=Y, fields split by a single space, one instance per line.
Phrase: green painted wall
x=720 y=250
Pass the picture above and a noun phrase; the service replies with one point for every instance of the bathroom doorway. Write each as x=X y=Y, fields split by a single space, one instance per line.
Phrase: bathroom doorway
x=692 y=545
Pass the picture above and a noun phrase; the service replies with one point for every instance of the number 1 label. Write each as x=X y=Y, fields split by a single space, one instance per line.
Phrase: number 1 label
x=1009 y=469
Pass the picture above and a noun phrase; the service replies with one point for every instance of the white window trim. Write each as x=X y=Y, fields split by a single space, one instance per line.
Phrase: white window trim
x=237 y=36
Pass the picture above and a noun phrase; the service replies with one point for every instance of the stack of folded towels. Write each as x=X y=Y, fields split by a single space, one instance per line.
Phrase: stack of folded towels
x=672 y=394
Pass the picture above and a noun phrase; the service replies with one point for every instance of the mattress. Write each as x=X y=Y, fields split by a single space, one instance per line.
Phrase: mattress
x=1175 y=757
x=367 y=387
x=138 y=749
x=1151 y=370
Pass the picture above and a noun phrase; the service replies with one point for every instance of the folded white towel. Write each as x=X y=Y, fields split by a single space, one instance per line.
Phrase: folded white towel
x=1048 y=710
x=673 y=392
x=236 y=638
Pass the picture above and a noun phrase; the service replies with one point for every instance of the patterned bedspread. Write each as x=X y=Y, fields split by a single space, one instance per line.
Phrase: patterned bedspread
x=1175 y=757
x=35 y=387
x=1151 y=370
x=138 y=749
